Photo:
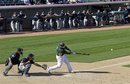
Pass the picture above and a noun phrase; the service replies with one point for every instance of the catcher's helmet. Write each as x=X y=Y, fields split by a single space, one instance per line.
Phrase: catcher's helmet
x=19 y=49
x=30 y=55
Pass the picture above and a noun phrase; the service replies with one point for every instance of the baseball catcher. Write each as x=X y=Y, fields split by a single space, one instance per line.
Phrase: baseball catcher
x=26 y=63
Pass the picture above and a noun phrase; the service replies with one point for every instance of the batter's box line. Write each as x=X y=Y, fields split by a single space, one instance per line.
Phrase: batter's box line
x=93 y=69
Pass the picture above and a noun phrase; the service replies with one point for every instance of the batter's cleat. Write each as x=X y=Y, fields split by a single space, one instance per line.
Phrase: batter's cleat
x=71 y=71
x=48 y=71
x=5 y=74
x=26 y=75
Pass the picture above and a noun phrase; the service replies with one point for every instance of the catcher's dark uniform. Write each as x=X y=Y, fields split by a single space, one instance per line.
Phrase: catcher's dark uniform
x=13 y=60
x=26 y=63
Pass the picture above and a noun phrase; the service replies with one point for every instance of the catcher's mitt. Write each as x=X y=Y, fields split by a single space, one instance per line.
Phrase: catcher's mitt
x=44 y=66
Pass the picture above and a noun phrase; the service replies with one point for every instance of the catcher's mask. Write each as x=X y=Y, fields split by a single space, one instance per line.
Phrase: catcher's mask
x=31 y=56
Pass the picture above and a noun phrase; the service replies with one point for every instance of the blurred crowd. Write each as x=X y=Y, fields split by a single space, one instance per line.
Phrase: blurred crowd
x=79 y=19
x=66 y=20
x=34 y=2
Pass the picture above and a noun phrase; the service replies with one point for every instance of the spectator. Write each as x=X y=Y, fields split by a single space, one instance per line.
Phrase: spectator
x=40 y=22
x=19 y=23
x=105 y=18
x=48 y=2
x=43 y=1
x=2 y=21
x=73 y=19
x=48 y=25
x=72 y=1
x=43 y=16
x=25 y=2
x=82 y=17
x=54 y=20
x=120 y=9
x=35 y=21
x=13 y=22
x=88 y=19
x=126 y=13
x=37 y=1
x=67 y=20
x=62 y=19
x=98 y=18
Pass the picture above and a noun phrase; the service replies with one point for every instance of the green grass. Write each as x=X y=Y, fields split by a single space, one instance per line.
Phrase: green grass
x=97 y=43
x=126 y=65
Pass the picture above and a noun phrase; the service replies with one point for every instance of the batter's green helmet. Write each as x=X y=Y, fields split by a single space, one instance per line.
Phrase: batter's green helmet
x=61 y=44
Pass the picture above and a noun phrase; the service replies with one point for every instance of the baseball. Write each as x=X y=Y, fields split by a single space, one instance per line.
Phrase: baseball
x=111 y=49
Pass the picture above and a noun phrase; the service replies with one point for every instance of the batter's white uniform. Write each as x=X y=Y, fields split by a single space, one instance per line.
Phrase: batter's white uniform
x=60 y=61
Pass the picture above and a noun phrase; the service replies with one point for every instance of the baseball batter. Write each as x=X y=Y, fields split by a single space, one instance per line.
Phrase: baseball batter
x=61 y=52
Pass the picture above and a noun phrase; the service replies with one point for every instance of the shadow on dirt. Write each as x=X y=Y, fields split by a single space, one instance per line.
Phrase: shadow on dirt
x=46 y=74
x=98 y=72
x=14 y=75
x=62 y=73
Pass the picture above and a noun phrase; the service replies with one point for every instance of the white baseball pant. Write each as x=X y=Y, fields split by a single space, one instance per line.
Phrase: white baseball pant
x=60 y=61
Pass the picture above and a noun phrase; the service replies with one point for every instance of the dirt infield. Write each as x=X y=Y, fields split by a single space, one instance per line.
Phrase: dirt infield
x=103 y=72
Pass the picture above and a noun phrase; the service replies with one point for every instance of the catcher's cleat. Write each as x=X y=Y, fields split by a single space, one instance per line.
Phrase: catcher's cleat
x=5 y=74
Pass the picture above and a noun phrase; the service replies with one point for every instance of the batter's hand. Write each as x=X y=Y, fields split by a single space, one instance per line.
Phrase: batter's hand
x=73 y=52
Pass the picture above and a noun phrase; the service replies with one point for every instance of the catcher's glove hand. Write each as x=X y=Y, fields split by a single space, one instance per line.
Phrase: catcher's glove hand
x=44 y=66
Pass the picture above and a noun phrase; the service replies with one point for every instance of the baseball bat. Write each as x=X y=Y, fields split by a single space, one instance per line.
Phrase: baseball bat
x=81 y=53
